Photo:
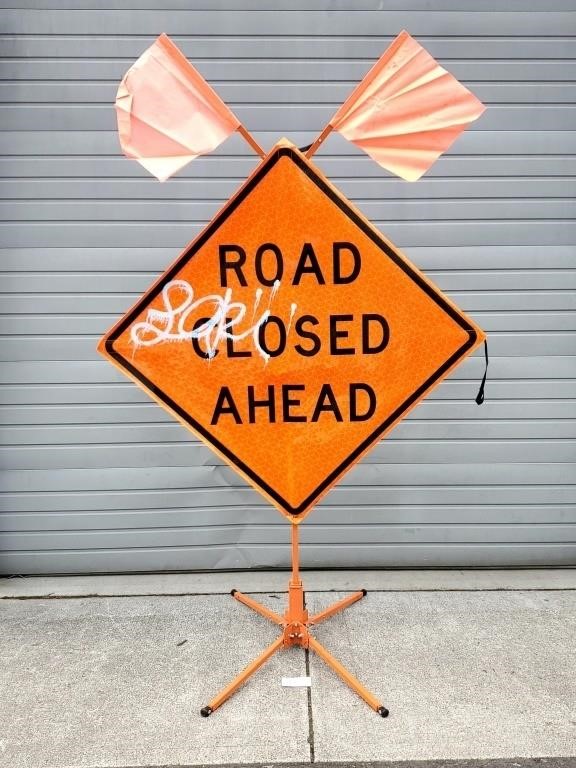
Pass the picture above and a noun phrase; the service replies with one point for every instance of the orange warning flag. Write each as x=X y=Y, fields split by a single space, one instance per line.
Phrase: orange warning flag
x=167 y=113
x=407 y=111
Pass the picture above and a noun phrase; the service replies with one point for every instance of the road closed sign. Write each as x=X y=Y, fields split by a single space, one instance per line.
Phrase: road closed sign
x=290 y=336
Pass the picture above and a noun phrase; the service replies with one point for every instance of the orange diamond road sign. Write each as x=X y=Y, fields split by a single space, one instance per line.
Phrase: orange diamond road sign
x=290 y=335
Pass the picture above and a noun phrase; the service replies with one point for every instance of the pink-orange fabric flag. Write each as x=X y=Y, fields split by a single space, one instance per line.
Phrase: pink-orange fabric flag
x=407 y=111
x=167 y=113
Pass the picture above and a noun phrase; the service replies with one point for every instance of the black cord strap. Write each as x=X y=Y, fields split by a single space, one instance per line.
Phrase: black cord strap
x=480 y=395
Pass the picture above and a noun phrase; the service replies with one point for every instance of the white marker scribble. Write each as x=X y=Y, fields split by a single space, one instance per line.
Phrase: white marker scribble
x=274 y=291
x=257 y=298
x=293 y=308
x=209 y=319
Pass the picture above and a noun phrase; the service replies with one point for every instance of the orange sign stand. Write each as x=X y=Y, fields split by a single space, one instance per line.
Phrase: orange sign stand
x=290 y=335
x=295 y=631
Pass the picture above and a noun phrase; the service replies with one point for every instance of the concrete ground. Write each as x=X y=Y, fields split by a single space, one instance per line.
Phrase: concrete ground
x=476 y=667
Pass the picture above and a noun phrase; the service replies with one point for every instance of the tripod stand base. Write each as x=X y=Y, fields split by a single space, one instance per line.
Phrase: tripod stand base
x=295 y=626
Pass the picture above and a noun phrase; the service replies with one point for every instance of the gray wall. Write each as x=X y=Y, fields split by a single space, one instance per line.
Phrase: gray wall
x=98 y=478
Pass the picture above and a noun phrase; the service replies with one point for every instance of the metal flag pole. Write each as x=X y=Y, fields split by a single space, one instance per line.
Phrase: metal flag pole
x=315 y=146
x=295 y=626
x=251 y=140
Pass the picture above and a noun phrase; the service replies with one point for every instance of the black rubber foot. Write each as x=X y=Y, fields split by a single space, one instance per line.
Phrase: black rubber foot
x=383 y=712
x=233 y=592
x=364 y=592
x=206 y=711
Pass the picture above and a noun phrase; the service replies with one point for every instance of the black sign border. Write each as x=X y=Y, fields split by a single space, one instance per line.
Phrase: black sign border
x=150 y=295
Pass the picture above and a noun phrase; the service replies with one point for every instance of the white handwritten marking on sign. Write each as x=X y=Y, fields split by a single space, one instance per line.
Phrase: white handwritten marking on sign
x=173 y=322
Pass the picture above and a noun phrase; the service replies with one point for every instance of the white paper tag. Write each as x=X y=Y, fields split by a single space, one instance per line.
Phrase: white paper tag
x=297 y=682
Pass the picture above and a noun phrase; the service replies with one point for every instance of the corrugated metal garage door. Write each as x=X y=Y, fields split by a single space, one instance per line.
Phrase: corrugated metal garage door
x=98 y=478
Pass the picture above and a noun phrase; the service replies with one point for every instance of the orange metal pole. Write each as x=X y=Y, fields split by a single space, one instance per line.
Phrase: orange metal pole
x=296 y=613
x=315 y=146
x=339 y=606
x=295 y=553
x=251 y=140
x=347 y=677
x=242 y=677
x=261 y=609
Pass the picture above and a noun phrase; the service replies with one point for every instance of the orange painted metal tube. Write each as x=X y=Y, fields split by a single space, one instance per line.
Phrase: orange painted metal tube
x=295 y=553
x=296 y=612
x=315 y=146
x=343 y=673
x=251 y=140
x=339 y=606
x=243 y=676
x=258 y=607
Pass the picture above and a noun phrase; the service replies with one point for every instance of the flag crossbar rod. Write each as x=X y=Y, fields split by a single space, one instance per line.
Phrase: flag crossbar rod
x=251 y=140
x=320 y=139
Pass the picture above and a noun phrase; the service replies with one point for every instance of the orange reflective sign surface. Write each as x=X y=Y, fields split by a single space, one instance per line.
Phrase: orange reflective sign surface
x=290 y=335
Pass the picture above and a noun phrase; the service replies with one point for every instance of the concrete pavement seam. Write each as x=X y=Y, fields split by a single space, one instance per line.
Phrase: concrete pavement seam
x=50 y=596
x=310 y=710
x=309 y=699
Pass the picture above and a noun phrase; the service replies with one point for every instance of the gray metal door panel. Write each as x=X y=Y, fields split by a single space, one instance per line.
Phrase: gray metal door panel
x=97 y=478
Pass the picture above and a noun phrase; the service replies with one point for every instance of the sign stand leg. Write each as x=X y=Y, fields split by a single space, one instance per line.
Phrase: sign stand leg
x=295 y=631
